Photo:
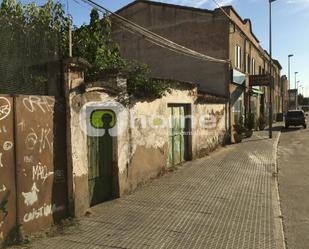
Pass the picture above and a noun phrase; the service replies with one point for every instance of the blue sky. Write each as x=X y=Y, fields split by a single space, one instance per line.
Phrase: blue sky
x=290 y=33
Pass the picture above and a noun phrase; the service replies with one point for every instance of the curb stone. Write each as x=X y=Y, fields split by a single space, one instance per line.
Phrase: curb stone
x=278 y=221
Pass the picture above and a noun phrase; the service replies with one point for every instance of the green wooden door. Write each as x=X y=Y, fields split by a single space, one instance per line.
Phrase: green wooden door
x=177 y=135
x=100 y=168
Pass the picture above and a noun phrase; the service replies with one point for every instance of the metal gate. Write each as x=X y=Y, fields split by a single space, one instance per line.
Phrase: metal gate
x=33 y=147
x=100 y=174
x=178 y=134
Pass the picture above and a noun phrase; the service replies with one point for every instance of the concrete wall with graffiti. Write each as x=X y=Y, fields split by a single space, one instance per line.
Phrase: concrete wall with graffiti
x=33 y=173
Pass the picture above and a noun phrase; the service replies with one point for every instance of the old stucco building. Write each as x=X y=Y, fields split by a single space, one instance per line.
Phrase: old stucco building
x=211 y=33
x=153 y=134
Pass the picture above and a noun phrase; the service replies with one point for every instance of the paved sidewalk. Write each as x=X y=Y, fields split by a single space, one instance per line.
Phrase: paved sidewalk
x=221 y=201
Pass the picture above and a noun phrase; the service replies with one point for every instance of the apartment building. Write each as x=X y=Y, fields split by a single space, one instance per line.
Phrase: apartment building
x=212 y=32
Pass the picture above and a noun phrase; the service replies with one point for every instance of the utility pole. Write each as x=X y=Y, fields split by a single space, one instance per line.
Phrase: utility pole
x=289 y=75
x=296 y=102
x=270 y=74
x=295 y=79
x=299 y=88
x=289 y=65
x=70 y=36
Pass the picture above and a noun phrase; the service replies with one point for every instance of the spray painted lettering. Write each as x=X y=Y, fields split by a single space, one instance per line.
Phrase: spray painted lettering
x=40 y=139
x=28 y=159
x=22 y=125
x=35 y=103
x=45 y=210
x=5 y=108
x=40 y=172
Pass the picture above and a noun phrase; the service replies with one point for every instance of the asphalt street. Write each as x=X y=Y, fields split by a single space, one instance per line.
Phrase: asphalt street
x=293 y=163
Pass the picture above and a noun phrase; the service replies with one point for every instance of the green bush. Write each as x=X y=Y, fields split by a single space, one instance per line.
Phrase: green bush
x=141 y=85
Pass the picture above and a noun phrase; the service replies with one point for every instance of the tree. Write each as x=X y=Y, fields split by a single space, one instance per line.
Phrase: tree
x=94 y=43
x=30 y=36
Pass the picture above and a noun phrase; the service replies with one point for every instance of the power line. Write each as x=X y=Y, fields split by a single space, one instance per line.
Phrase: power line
x=153 y=37
x=84 y=6
x=224 y=12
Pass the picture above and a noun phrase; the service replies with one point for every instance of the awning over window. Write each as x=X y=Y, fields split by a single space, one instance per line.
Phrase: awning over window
x=238 y=77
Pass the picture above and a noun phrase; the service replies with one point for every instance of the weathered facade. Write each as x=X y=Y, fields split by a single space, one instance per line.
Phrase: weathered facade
x=146 y=145
x=202 y=30
x=211 y=33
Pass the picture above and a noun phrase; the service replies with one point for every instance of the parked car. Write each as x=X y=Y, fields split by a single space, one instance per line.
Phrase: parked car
x=295 y=118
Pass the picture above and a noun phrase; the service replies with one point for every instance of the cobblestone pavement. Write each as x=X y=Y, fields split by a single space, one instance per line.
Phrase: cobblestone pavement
x=221 y=201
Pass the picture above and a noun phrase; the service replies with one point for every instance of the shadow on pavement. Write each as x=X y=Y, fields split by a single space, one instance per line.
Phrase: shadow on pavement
x=254 y=140
x=291 y=129
x=276 y=128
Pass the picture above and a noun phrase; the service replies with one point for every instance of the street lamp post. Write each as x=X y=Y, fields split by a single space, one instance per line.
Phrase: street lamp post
x=289 y=65
x=270 y=74
x=299 y=86
x=295 y=80
x=297 y=83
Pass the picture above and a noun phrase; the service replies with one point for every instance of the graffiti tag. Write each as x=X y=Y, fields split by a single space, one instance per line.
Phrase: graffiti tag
x=32 y=196
x=59 y=176
x=45 y=210
x=22 y=125
x=28 y=159
x=7 y=145
x=5 y=108
x=3 y=188
x=41 y=140
x=3 y=129
x=35 y=103
x=40 y=172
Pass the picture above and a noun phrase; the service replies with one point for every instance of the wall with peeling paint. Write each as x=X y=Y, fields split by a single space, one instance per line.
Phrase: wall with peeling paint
x=141 y=151
x=149 y=145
